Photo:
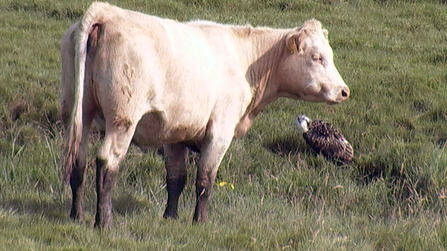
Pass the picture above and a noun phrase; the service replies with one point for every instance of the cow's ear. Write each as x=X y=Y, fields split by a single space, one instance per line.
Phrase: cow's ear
x=294 y=42
x=326 y=33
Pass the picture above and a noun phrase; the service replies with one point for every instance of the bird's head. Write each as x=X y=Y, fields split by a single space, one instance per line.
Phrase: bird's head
x=303 y=123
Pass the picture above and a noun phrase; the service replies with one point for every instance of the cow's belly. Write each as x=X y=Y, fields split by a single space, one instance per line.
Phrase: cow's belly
x=152 y=132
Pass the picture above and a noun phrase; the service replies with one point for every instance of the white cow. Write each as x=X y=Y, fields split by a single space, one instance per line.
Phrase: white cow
x=195 y=85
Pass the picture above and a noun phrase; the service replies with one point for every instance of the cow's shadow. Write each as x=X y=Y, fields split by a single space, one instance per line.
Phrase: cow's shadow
x=58 y=210
x=125 y=204
x=53 y=210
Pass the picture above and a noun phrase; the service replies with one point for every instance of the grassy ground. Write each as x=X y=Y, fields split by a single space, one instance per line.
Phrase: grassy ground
x=392 y=54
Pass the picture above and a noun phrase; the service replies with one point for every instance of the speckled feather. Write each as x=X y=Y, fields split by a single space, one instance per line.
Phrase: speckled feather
x=323 y=138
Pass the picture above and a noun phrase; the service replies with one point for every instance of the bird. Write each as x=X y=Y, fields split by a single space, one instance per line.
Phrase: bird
x=324 y=139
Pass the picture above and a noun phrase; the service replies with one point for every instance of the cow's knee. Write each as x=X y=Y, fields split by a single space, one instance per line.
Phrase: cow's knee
x=204 y=188
x=203 y=193
x=212 y=154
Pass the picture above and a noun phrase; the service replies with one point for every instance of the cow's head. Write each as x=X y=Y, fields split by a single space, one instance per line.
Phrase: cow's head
x=307 y=71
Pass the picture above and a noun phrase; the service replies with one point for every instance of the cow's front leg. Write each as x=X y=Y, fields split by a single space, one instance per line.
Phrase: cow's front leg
x=212 y=155
x=176 y=175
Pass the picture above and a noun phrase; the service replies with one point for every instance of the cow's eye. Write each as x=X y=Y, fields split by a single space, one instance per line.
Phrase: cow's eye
x=317 y=58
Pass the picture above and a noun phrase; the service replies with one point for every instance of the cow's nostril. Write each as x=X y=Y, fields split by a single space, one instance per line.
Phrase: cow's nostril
x=344 y=93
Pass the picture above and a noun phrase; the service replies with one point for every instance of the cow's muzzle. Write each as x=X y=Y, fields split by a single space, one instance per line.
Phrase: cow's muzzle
x=341 y=95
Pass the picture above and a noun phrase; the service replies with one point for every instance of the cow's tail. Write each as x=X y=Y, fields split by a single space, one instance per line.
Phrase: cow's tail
x=75 y=126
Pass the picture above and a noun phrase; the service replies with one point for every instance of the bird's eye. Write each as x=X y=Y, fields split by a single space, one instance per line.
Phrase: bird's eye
x=317 y=58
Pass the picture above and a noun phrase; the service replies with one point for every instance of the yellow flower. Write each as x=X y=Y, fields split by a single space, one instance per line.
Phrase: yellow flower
x=224 y=183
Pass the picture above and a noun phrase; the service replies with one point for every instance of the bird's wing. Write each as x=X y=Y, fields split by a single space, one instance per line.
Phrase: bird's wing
x=328 y=141
x=342 y=149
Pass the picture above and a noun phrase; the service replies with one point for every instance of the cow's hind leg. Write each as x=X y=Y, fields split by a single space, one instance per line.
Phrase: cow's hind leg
x=78 y=178
x=176 y=175
x=110 y=154
x=78 y=174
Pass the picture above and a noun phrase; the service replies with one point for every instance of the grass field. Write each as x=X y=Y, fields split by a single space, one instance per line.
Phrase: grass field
x=278 y=196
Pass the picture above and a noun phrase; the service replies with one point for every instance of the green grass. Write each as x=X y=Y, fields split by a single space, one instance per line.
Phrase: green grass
x=393 y=56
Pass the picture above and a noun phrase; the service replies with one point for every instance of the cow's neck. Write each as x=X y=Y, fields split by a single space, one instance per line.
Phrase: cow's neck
x=265 y=48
